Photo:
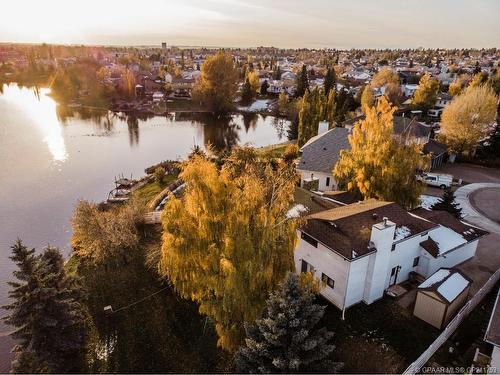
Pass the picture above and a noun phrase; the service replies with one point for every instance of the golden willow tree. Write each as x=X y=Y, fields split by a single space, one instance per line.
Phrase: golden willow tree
x=229 y=241
x=469 y=118
x=377 y=166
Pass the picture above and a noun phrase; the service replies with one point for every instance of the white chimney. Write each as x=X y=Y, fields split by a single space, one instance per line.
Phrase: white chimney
x=382 y=237
x=323 y=127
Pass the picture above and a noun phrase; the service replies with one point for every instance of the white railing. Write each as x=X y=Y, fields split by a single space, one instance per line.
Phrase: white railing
x=415 y=367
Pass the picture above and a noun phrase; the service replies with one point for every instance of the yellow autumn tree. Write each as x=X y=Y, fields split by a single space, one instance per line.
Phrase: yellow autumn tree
x=229 y=241
x=468 y=118
x=253 y=78
x=426 y=94
x=218 y=83
x=383 y=77
x=377 y=166
x=367 y=98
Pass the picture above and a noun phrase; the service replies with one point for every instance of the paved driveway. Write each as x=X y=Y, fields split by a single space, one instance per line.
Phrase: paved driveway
x=480 y=204
x=471 y=173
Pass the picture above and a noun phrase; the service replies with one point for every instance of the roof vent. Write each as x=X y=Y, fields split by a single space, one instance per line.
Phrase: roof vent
x=354 y=254
x=375 y=216
x=385 y=221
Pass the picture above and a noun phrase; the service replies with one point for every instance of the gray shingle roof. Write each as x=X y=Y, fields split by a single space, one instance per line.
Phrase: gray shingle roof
x=321 y=153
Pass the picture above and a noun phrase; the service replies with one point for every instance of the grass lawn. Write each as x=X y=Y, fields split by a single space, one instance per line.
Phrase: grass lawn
x=379 y=338
x=150 y=190
x=164 y=333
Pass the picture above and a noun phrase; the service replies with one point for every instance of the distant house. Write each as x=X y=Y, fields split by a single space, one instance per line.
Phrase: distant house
x=441 y=296
x=158 y=96
x=442 y=101
x=438 y=152
x=182 y=86
x=319 y=156
x=359 y=250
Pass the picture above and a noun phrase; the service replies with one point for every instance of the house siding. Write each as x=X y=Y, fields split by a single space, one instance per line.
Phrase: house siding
x=452 y=258
x=430 y=308
x=304 y=174
x=328 y=262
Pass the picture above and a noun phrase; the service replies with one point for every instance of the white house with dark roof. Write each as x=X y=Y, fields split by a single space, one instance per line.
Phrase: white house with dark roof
x=319 y=156
x=361 y=249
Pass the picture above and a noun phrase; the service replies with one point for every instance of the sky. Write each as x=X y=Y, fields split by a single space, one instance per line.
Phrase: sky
x=251 y=23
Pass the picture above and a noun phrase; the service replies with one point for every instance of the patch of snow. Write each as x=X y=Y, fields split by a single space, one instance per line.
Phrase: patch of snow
x=427 y=201
x=401 y=232
x=258 y=105
x=435 y=278
x=296 y=211
x=446 y=238
x=453 y=286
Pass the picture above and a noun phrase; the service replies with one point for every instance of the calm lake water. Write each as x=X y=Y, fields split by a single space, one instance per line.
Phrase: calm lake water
x=51 y=157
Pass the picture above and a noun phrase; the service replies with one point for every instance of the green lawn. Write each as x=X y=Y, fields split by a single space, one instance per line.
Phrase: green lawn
x=150 y=190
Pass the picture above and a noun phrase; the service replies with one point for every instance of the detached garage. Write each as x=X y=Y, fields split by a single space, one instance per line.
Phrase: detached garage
x=441 y=296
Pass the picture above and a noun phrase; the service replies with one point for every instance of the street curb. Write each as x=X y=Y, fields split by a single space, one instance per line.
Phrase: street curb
x=469 y=213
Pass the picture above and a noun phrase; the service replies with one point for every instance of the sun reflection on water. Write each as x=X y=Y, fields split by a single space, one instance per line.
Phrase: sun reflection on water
x=42 y=110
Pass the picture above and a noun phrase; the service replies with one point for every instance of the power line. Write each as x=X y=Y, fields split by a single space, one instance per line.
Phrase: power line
x=111 y=311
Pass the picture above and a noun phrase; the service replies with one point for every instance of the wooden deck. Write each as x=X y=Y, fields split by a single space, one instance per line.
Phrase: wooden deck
x=153 y=217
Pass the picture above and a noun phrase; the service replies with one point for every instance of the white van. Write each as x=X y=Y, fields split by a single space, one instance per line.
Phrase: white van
x=436 y=179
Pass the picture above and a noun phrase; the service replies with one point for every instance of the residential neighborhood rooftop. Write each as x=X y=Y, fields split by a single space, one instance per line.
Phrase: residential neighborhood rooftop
x=348 y=228
x=322 y=152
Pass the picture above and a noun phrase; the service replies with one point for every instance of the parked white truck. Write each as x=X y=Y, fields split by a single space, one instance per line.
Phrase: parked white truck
x=436 y=179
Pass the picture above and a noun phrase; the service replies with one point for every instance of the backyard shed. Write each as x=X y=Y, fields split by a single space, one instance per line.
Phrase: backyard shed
x=441 y=296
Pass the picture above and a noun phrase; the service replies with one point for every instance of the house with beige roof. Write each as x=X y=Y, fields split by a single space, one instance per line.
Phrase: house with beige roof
x=361 y=249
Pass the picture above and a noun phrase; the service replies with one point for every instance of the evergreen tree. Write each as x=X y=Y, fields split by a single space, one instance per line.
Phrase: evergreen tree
x=264 y=87
x=277 y=72
x=448 y=204
x=302 y=82
x=246 y=92
x=287 y=339
x=22 y=308
x=47 y=313
x=329 y=82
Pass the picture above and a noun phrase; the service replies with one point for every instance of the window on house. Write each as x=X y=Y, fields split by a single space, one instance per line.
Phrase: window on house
x=415 y=261
x=328 y=181
x=306 y=267
x=327 y=280
x=309 y=239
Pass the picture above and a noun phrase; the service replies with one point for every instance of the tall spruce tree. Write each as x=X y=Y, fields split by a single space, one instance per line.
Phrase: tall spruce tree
x=22 y=308
x=47 y=313
x=246 y=92
x=302 y=82
x=329 y=82
x=287 y=339
x=448 y=204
